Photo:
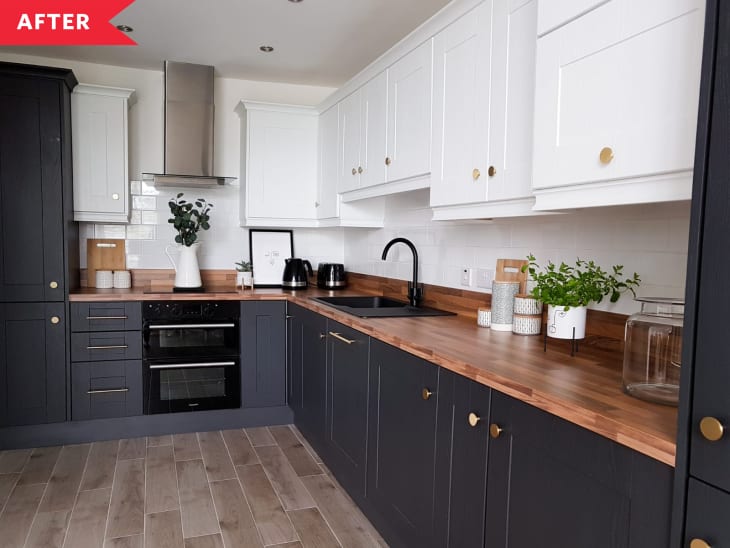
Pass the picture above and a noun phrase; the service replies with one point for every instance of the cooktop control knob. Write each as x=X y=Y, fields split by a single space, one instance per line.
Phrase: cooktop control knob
x=209 y=310
x=154 y=309
x=175 y=310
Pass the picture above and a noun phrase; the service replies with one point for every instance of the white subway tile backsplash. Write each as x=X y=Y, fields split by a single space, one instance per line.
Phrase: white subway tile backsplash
x=148 y=189
x=135 y=187
x=110 y=231
x=144 y=202
x=148 y=217
x=141 y=232
x=135 y=217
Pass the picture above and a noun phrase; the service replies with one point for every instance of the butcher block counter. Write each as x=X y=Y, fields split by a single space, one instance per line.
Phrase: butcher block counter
x=584 y=389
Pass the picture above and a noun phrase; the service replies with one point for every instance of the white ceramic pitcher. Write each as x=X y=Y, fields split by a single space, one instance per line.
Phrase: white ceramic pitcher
x=187 y=271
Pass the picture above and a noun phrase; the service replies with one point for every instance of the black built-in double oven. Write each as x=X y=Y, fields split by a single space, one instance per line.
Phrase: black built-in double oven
x=191 y=356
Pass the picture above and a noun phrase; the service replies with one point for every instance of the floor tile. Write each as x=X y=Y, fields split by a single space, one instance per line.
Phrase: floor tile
x=207 y=541
x=163 y=530
x=133 y=448
x=196 y=503
x=287 y=484
x=161 y=480
x=88 y=520
x=239 y=447
x=296 y=453
x=313 y=529
x=126 y=510
x=218 y=464
x=306 y=444
x=66 y=478
x=186 y=446
x=17 y=517
x=14 y=461
x=260 y=436
x=134 y=541
x=237 y=524
x=155 y=441
x=40 y=465
x=7 y=482
x=100 y=467
x=271 y=520
x=48 y=530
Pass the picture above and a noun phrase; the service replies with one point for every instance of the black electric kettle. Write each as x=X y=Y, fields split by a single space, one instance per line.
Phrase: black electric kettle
x=295 y=273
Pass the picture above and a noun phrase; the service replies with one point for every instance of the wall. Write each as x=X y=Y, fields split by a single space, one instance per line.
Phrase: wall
x=148 y=232
x=649 y=239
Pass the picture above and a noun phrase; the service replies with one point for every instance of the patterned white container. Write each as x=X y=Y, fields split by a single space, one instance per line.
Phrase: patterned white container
x=484 y=317
x=104 y=279
x=526 y=324
x=122 y=279
x=526 y=305
x=503 y=297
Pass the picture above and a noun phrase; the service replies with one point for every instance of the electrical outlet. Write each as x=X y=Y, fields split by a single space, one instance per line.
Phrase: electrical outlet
x=467 y=274
x=485 y=277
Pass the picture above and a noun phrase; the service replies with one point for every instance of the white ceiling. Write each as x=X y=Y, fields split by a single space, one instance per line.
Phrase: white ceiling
x=318 y=42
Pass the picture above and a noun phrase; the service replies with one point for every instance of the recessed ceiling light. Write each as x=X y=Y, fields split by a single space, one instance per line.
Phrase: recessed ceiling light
x=125 y=28
x=266 y=49
x=295 y=1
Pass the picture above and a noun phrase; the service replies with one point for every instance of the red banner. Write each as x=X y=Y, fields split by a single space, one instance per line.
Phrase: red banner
x=61 y=23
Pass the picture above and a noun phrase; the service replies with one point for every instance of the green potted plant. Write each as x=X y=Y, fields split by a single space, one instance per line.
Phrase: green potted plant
x=244 y=274
x=187 y=219
x=569 y=289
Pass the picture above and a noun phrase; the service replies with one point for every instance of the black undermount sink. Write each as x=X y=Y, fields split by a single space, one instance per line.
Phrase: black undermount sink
x=379 y=307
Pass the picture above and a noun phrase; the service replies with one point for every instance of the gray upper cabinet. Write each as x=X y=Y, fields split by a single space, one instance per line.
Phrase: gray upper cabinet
x=38 y=240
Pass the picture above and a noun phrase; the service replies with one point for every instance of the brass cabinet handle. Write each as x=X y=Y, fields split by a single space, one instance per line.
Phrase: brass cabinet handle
x=322 y=335
x=495 y=430
x=107 y=347
x=474 y=419
x=341 y=338
x=359 y=169
x=711 y=429
x=475 y=174
x=387 y=161
x=115 y=196
x=107 y=391
x=354 y=171
x=606 y=155
x=55 y=320
x=426 y=393
x=106 y=317
x=53 y=284
x=288 y=317
x=492 y=171
x=698 y=543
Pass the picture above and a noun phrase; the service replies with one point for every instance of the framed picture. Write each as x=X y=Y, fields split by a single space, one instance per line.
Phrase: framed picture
x=269 y=249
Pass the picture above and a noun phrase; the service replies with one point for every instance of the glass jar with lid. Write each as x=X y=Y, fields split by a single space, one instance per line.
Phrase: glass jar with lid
x=653 y=350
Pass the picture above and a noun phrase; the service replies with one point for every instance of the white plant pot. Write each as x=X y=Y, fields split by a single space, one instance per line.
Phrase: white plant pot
x=244 y=279
x=561 y=322
x=187 y=271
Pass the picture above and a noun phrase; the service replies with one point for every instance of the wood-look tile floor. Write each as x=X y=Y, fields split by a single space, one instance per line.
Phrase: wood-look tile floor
x=243 y=488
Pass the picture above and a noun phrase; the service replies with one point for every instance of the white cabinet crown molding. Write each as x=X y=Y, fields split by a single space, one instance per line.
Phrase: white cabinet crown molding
x=108 y=91
x=275 y=107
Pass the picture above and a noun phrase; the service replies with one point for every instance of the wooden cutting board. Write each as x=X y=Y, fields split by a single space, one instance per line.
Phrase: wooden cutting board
x=104 y=254
x=510 y=270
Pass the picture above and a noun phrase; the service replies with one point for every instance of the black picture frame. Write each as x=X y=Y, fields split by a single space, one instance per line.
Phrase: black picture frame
x=268 y=250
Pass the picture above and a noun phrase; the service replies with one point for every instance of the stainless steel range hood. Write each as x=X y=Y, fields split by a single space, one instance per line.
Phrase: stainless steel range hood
x=189 y=116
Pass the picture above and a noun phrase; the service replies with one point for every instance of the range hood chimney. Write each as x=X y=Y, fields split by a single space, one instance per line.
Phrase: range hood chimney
x=189 y=115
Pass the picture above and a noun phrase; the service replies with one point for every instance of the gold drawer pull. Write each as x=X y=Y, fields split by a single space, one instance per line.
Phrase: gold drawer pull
x=106 y=317
x=698 y=543
x=107 y=391
x=474 y=419
x=107 y=347
x=495 y=430
x=475 y=174
x=387 y=161
x=55 y=320
x=426 y=393
x=711 y=429
x=323 y=335
x=354 y=171
x=492 y=171
x=53 y=285
x=341 y=338
x=606 y=155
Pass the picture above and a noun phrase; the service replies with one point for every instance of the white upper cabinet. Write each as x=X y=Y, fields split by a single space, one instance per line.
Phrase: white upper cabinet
x=327 y=203
x=551 y=14
x=278 y=165
x=100 y=164
x=350 y=134
x=409 y=114
x=616 y=105
x=484 y=85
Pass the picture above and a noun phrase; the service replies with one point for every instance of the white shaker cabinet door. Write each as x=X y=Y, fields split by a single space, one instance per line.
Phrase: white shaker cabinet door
x=100 y=166
x=409 y=114
x=461 y=101
x=374 y=128
x=617 y=94
x=327 y=198
x=349 y=143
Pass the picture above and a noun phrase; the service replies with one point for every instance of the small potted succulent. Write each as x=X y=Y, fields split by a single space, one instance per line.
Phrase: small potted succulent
x=244 y=275
x=568 y=289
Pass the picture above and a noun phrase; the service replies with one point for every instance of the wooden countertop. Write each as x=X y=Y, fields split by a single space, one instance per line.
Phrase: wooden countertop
x=584 y=389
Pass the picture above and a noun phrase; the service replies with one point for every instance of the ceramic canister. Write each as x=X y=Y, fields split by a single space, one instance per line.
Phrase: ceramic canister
x=503 y=296
x=484 y=317
x=527 y=305
x=104 y=279
x=526 y=324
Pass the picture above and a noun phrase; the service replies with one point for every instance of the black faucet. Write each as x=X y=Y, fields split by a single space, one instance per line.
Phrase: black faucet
x=415 y=293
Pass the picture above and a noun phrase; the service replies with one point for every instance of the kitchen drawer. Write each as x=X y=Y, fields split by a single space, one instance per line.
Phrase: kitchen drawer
x=106 y=345
x=106 y=316
x=106 y=389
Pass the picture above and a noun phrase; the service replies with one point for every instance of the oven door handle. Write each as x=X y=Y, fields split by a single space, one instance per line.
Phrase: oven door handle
x=193 y=326
x=191 y=364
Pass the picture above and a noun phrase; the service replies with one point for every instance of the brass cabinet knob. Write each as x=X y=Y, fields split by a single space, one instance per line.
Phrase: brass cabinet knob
x=698 y=543
x=115 y=196
x=426 y=393
x=474 y=419
x=387 y=161
x=711 y=428
x=359 y=169
x=322 y=335
x=495 y=430
x=492 y=171
x=53 y=284
x=475 y=174
x=55 y=320
x=354 y=171
x=606 y=155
